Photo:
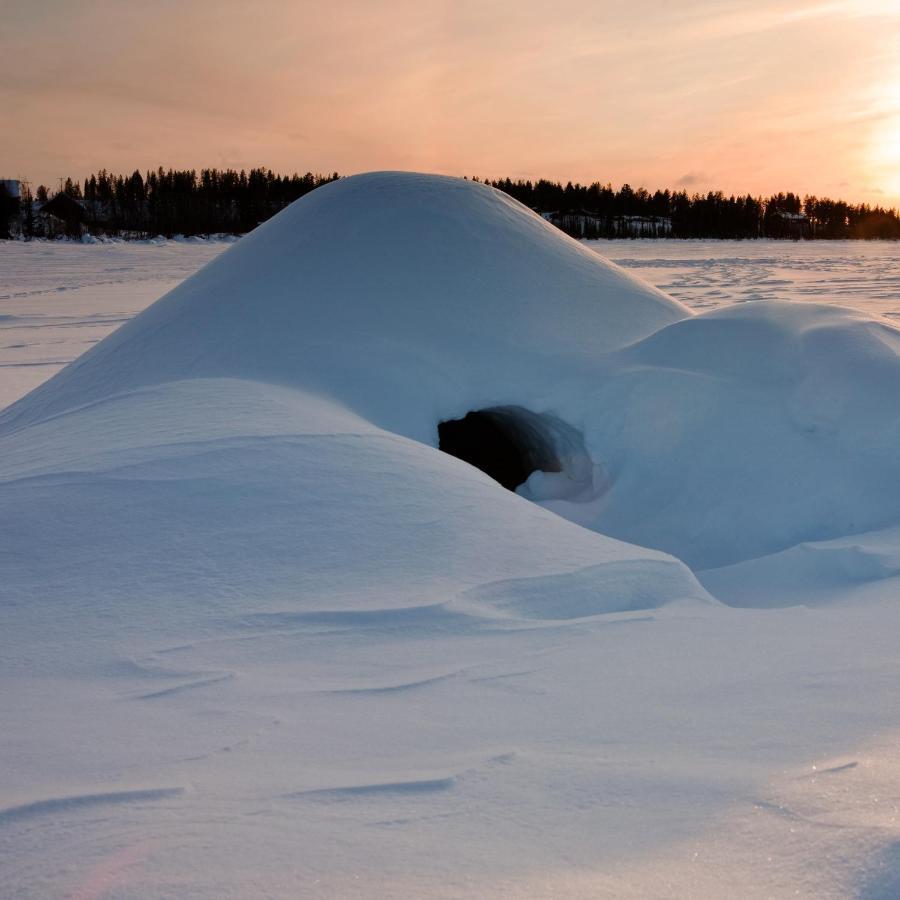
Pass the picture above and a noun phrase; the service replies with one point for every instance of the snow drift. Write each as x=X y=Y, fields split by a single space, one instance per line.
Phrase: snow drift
x=415 y=301
x=278 y=390
x=406 y=298
x=747 y=430
x=258 y=609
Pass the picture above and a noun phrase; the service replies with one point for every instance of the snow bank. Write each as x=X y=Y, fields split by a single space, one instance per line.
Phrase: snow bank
x=407 y=301
x=261 y=638
x=413 y=300
x=383 y=303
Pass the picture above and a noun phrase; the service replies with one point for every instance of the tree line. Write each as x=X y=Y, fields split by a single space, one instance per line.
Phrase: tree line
x=188 y=202
x=598 y=210
x=173 y=201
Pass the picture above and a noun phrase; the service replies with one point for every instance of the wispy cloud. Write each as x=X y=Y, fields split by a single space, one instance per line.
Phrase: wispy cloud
x=763 y=94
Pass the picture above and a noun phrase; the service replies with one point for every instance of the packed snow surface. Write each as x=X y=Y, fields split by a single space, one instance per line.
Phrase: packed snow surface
x=260 y=637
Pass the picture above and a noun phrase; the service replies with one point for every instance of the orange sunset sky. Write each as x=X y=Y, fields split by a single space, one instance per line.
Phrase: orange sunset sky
x=744 y=96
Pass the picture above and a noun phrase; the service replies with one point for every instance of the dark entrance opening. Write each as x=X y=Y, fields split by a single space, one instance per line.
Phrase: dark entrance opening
x=506 y=442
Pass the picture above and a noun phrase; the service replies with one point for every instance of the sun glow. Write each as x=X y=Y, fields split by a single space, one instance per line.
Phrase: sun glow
x=885 y=158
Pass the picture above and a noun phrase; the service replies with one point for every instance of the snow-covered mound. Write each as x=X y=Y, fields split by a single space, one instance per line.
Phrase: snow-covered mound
x=261 y=638
x=442 y=311
x=411 y=300
x=277 y=389
x=405 y=297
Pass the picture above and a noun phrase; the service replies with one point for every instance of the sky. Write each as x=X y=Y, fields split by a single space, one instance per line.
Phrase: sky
x=740 y=96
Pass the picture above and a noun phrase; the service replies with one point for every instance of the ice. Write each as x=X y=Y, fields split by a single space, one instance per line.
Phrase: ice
x=259 y=636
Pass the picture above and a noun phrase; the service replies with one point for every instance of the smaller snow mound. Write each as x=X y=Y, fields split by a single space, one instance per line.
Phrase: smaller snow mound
x=812 y=573
x=596 y=590
x=744 y=431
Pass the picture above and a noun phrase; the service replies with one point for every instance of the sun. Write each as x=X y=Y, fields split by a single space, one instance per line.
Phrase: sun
x=884 y=157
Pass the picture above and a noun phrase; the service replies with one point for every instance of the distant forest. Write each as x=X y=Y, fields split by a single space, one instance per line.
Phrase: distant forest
x=600 y=211
x=187 y=202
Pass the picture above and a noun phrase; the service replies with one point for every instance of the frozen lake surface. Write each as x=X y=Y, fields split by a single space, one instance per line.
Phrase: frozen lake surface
x=56 y=299
x=706 y=274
